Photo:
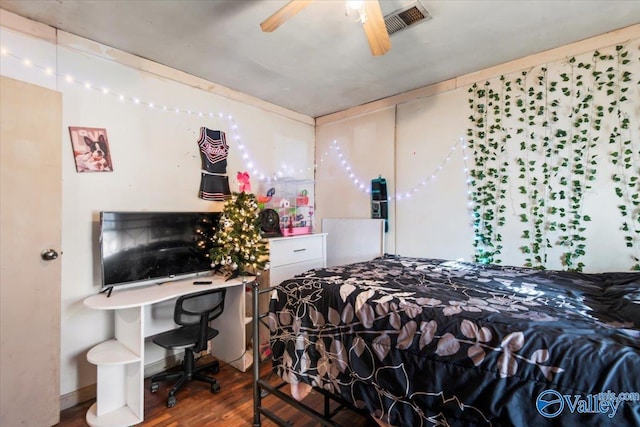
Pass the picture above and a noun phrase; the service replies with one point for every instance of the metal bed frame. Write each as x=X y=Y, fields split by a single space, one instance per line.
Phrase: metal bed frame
x=262 y=388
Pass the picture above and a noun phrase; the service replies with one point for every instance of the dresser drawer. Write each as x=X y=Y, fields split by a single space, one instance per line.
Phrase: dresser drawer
x=291 y=250
x=278 y=274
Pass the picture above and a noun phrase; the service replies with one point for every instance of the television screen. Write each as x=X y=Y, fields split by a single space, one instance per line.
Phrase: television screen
x=139 y=248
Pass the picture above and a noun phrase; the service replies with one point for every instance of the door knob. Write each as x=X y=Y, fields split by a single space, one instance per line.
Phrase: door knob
x=49 y=254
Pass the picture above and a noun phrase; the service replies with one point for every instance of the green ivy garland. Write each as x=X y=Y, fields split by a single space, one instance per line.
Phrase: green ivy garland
x=535 y=188
x=578 y=160
x=489 y=176
x=627 y=178
x=557 y=162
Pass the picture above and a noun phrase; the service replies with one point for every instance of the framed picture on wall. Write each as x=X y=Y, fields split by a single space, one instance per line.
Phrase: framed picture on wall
x=90 y=149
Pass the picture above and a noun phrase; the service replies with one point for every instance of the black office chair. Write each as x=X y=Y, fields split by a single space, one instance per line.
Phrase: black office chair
x=193 y=312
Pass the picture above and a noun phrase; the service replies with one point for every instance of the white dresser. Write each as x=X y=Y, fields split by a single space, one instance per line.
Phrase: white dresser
x=293 y=255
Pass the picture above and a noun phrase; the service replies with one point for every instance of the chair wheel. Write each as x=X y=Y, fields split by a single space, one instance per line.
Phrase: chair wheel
x=171 y=401
x=215 y=369
x=215 y=388
x=154 y=387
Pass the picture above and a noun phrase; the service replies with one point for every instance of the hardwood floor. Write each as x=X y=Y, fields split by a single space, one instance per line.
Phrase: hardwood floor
x=231 y=407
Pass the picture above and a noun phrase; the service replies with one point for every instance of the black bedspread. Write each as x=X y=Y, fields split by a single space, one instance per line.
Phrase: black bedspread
x=420 y=342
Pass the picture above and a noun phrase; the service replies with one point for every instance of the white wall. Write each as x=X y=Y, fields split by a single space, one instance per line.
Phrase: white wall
x=155 y=157
x=362 y=146
x=435 y=221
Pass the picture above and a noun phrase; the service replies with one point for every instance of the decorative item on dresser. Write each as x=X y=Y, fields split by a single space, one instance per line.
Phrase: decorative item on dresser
x=293 y=201
x=270 y=223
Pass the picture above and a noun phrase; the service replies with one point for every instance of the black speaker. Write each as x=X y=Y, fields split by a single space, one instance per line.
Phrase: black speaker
x=270 y=223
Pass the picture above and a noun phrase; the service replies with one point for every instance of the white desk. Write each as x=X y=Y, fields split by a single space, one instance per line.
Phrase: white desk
x=120 y=361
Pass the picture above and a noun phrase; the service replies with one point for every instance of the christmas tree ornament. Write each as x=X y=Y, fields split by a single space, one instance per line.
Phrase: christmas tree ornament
x=240 y=249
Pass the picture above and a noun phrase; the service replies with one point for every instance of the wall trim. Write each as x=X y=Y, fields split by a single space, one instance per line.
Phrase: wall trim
x=27 y=26
x=77 y=397
x=607 y=39
x=84 y=45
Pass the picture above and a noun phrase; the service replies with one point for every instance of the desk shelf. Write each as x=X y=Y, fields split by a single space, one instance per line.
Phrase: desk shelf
x=111 y=352
x=122 y=416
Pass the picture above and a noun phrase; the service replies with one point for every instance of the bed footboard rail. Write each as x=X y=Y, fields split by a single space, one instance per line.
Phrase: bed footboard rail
x=262 y=388
x=257 y=388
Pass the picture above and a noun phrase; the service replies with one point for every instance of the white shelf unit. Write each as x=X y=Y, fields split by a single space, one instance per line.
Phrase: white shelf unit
x=120 y=366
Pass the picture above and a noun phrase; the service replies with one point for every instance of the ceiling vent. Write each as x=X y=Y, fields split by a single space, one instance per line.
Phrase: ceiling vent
x=406 y=17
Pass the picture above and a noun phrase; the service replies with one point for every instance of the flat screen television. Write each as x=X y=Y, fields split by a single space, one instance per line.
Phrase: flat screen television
x=143 y=248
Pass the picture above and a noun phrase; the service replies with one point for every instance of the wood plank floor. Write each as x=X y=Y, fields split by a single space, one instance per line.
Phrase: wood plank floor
x=231 y=407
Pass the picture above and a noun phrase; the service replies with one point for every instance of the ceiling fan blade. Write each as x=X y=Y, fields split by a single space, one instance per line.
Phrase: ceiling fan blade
x=283 y=14
x=375 y=29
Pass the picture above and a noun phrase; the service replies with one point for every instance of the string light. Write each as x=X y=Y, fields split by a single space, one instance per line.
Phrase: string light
x=348 y=170
x=400 y=195
x=245 y=155
x=242 y=147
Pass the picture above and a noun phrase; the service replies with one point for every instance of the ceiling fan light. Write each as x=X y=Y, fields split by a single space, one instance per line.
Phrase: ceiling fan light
x=358 y=7
x=354 y=4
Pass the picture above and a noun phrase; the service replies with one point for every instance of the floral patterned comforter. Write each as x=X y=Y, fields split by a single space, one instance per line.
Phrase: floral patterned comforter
x=419 y=342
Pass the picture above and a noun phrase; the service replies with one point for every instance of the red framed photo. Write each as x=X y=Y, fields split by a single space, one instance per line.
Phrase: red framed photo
x=91 y=149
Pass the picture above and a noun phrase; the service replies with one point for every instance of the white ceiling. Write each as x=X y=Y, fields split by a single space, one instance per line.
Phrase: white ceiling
x=319 y=61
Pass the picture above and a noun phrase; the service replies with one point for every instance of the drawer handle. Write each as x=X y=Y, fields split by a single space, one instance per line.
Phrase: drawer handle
x=299 y=250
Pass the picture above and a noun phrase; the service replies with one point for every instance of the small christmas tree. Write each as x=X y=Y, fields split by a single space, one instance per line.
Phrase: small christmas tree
x=239 y=246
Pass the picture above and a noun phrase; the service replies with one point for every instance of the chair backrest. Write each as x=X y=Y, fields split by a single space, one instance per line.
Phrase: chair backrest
x=191 y=308
x=199 y=309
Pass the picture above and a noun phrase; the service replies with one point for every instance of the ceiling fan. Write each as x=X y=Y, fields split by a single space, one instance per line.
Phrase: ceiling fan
x=373 y=23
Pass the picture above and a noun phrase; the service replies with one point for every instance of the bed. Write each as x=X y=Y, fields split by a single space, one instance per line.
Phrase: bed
x=421 y=342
